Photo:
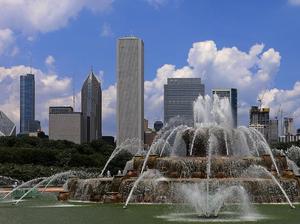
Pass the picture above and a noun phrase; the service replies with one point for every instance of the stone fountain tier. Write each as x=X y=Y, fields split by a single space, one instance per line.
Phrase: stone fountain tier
x=165 y=190
x=195 y=167
x=175 y=171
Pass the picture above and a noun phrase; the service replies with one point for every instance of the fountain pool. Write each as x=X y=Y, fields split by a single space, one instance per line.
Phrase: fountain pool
x=51 y=211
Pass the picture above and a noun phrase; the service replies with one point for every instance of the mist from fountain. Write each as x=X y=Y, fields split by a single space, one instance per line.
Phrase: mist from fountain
x=131 y=146
x=22 y=186
x=255 y=171
x=46 y=180
x=149 y=174
x=209 y=205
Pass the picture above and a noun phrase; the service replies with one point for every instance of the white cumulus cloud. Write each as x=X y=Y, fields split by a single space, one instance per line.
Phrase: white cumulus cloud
x=285 y=100
x=43 y=16
x=7 y=40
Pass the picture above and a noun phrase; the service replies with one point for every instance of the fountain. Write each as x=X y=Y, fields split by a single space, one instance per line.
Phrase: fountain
x=131 y=146
x=209 y=167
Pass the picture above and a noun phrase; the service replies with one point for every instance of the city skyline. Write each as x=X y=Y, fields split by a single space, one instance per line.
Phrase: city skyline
x=257 y=62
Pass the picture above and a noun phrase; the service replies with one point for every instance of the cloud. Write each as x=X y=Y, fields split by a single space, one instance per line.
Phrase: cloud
x=287 y=100
x=50 y=60
x=157 y=3
x=106 y=30
x=294 y=2
x=30 y=16
x=50 y=89
x=7 y=40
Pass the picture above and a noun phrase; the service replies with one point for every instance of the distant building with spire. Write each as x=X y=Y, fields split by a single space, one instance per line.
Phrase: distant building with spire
x=91 y=107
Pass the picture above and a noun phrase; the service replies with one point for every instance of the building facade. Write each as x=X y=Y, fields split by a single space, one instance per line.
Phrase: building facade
x=7 y=127
x=232 y=95
x=130 y=89
x=273 y=131
x=288 y=126
x=91 y=106
x=179 y=96
x=27 y=105
x=65 y=124
x=260 y=120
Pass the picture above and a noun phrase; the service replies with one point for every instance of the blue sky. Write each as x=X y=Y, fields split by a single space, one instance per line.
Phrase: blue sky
x=85 y=34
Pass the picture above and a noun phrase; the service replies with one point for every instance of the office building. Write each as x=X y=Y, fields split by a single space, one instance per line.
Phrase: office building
x=288 y=126
x=130 y=89
x=273 y=131
x=179 y=97
x=91 y=106
x=65 y=124
x=27 y=105
x=260 y=120
x=259 y=115
x=231 y=94
x=7 y=127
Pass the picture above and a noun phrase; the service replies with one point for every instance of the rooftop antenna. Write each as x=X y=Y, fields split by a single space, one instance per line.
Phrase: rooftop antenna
x=30 y=62
x=74 y=97
x=92 y=69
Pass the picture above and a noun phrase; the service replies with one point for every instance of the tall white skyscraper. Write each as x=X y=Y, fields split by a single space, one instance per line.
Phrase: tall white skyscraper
x=130 y=89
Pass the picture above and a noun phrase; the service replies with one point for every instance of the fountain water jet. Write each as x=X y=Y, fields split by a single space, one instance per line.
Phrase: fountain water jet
x=256 y=170
x=49 y=179
x=22 y=185
x=150 y=174
x=129 y=145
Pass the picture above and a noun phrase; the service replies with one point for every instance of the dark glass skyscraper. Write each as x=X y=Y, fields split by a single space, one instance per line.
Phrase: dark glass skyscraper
x=179 y=96
x=91 y=106
x=27 y=104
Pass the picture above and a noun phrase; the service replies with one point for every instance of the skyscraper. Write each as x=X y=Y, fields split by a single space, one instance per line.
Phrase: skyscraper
x=260 y=120
x=91 y=106
x=27 y=104
x=179 y=96
x=231 y=94
x=130 y=89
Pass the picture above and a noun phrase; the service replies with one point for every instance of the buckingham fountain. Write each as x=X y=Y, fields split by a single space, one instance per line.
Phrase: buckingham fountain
x=208 y=168
x=210 y=171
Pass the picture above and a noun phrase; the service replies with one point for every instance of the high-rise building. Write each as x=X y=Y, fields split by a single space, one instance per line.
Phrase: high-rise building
x=7 y=127
x=259 y=115
x=288 y=126
x=64 y=124
x=27 y=105
x=231 y=94
x=91 y=106
x=260 y=120
x=130 y=89
x=273 y=131
x=179 y=96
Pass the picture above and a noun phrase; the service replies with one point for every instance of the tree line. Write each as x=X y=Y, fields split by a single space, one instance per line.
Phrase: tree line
x=26 y=157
